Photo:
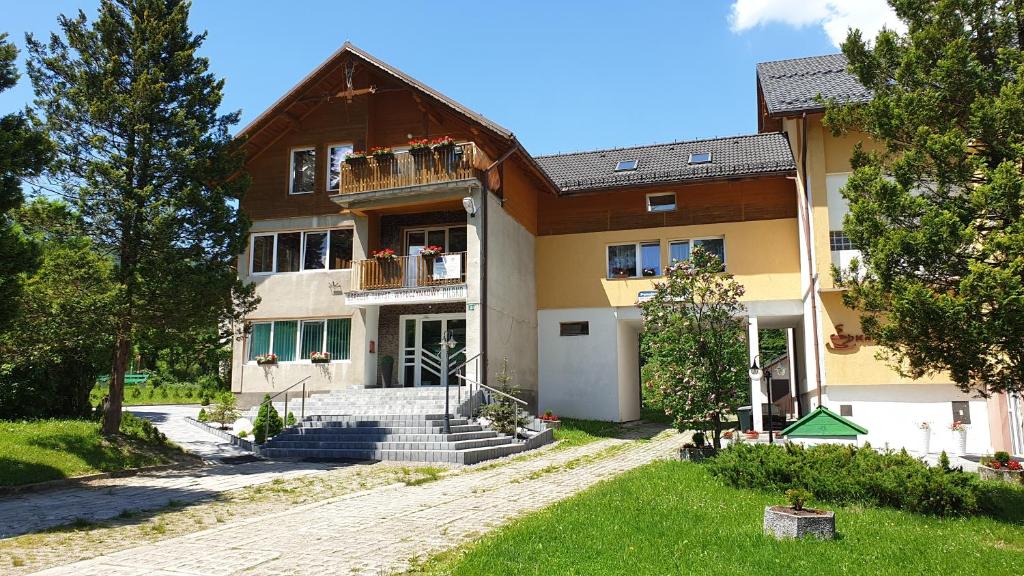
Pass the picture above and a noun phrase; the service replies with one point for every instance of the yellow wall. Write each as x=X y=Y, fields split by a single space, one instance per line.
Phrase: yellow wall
x=571 y=268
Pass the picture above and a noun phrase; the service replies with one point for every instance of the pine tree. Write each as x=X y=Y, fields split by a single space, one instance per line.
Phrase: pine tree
x=146 y=158
x=937 y=212
x=24 y=152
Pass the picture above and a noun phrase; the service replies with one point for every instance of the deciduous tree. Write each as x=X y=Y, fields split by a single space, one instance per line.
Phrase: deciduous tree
x=936 y=211
x=146 y=158
x=695 y=343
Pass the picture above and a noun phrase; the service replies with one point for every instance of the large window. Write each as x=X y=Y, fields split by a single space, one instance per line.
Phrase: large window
x=296 y=340
x=632 y=260
x=303 y=171
x=295 y=251
x=335 y=158
x=681 y=249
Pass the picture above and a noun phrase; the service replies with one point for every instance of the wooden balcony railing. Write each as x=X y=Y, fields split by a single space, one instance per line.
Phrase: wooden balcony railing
x=413 y=168
x=409 y=272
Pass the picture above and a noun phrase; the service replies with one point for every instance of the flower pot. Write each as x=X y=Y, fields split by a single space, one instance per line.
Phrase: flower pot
x=321 y=360
x=552 y=424
x=960 y=442
x=926 y=440
x=986 y=473
x=785 y=522
x=356 y=161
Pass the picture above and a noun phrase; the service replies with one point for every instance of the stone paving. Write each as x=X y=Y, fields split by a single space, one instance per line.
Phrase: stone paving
x=170 y=419
x=379 y=531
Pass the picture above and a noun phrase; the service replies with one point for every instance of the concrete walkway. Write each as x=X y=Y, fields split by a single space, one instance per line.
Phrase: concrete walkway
x=379 y=531
x=170 y=419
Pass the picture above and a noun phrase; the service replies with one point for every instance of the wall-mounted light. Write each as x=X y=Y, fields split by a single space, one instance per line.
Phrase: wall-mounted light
x=470 y=205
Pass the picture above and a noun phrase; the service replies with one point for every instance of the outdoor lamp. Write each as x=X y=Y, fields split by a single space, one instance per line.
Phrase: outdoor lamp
x=470 y=205
x=755 y=370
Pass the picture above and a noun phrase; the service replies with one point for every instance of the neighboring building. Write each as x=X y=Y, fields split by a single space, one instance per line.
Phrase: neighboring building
x=545 y=258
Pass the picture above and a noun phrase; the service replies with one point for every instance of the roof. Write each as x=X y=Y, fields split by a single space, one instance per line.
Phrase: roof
x=822 y=423
x=733 y=156
x=793 y=86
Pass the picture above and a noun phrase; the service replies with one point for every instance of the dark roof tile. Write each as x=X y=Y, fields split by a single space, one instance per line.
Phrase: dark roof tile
x=792 y=86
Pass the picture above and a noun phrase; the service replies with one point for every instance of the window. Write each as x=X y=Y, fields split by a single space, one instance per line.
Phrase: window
x=661 y=202
x=626 y=165
x=838 y=240
x=962 y=412
x=296 y=340
x=294 y=251
x=623 y=260
x=263 y=254
x=846 y=410
x=574 y=328
x=335 y=158
x=341 y=249
x=303 y=171
x=700 y=158
x=681 y=249
x=289 y=248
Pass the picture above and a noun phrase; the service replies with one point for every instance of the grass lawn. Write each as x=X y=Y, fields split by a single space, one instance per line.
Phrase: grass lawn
x=146 y=395
x=40 y=450
x=574 y=432
x=673 y=518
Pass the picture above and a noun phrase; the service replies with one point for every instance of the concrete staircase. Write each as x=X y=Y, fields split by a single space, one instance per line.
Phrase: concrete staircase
x=400 y=424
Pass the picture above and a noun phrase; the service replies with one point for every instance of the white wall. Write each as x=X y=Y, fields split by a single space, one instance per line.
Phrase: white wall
x=579 y=375
x=892 y=414
x=511 y=299
x=629 y=370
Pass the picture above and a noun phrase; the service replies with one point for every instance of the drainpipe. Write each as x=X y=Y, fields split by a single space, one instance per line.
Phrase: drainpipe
x=811 y=275
x=484 y=195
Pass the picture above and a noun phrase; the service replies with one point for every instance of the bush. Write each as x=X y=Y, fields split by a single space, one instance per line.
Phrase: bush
x=224 y=411
x=268 y=422
x=290 y=421
x=1002 y=457
x=141 y=429
x=797 y=497
x=203 y=417
x=847 y=474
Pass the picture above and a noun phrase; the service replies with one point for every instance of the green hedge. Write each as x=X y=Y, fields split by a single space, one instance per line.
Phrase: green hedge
x=847 y=474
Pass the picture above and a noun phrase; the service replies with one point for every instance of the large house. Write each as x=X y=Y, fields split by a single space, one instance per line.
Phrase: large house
x=543 y=259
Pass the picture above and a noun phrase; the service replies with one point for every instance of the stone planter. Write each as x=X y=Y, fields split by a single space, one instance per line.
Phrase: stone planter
x=696 y=453
x=552 y=424
x=784 y=522
x=1015 y=476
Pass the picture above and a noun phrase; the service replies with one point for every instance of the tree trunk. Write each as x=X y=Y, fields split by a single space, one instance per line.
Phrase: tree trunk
x=112 y=417
x=716 y=431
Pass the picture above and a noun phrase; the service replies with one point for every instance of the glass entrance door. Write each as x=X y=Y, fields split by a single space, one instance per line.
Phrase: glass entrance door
x=421 y=347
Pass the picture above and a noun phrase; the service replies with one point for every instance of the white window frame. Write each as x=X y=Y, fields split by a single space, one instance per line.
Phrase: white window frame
x=725 y=247
x=302 y=250
x=327 y=172
x=690 y=161
x=298 y=339
x=638 y=270
x=636 y=165
x=291 y=169
x=652 y=210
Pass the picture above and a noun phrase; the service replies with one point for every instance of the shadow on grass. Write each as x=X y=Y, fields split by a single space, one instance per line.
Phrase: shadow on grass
x=1003 y=501
x=13 y=472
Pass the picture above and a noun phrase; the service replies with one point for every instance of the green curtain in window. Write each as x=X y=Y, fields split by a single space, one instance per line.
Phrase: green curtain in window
x=259 y=340
x=312 y=338
x=339 y=338
x=285 y=333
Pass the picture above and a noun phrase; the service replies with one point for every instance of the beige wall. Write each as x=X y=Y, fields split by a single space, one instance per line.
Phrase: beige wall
x=571 y=268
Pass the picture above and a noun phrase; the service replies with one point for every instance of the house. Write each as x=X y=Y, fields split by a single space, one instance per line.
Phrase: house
x=541 y=260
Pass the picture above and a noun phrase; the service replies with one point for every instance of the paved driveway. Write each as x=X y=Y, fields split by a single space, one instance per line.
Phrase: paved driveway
x=170 y=419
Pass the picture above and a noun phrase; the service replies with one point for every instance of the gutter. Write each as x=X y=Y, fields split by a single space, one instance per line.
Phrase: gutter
x=808 y=241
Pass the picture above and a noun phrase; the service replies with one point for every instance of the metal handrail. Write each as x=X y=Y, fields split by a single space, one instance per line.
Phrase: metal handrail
x=493 y=391
x=466 y=363
x=270 y=400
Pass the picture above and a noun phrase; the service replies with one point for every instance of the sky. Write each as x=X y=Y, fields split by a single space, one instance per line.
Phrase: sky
x=562 y=75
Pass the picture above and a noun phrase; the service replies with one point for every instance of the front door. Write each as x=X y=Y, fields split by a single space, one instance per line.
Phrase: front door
x=421 y=347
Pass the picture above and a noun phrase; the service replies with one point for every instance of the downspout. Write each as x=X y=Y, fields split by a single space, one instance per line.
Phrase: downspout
x=811 y=276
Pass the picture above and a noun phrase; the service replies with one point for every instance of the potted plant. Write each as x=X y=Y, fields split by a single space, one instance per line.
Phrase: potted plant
x=419 y=149
x=796 y=521
x=429 y=254
x=387 y=260
x=550 y=420
x=959 y=430
x=1001 y=467
x=355 y=158
x=266 y=359
x=926 y=436
x=442 y=143
x=385 y=255
x=383 y=156
x=697 y=449
x=444 y=151
x=620 y=272
x=752 y=434
x=320 y=357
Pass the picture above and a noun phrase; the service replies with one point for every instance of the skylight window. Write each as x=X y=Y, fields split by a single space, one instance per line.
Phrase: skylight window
x=625 y=165
x=700 y=157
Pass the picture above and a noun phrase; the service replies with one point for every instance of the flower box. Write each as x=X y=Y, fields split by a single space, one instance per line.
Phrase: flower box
x=355 y=158
x=751 y=434
x=266 y=359
x=551 y=422
x=386 y=254
x=787 y=522
x=320 y=357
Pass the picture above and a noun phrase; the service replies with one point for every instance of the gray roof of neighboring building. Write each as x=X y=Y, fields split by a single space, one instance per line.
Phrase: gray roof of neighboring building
x=731 y=157
x=792 y=86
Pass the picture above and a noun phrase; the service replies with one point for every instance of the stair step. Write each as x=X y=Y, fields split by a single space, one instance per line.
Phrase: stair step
x=350 y=435
x=470 y=456
x=330 y=428
x=347 y=444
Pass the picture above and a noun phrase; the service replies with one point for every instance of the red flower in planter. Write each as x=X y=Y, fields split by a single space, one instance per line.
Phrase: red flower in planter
x=995 y=465
x=1014 y=465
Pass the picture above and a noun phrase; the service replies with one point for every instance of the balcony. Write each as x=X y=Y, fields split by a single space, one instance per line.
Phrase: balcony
x=408 y=169
x=408 y=280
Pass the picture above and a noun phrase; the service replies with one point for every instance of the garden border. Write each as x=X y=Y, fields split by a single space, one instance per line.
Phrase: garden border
x=242 y=443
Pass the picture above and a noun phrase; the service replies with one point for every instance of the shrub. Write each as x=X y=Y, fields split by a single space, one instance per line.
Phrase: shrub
x=503 y=412
x=203 y=417
x=698 y=438
x=797 y=497
x=243 y=433
x=1002 y=457
x=290 y=420
x=141 y=429
x=847 y=474
x=204 y=398
x=224 y=411
x=268 y=422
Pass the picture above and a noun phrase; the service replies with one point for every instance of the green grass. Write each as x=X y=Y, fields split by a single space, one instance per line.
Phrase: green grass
x=147 y=395
x=673 y=518
x=574 y=432
x=40 y=450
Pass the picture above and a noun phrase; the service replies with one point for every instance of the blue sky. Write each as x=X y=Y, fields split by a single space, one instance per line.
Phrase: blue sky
x=563 y=76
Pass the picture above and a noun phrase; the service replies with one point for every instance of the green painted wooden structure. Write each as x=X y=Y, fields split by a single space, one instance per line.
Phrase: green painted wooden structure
x=823 y=423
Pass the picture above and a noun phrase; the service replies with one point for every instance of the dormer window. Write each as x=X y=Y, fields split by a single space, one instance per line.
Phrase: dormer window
x=626 y=165
x=700 y=158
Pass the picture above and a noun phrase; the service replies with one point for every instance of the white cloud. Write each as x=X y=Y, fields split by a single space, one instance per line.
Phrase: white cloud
x=834 y=16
